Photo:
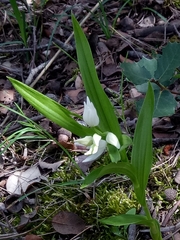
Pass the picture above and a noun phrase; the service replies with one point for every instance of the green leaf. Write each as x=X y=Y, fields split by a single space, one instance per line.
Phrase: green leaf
x=165 y=104
x=141 y=157
x=155 y=230
x=114 y=153
x=167 y=63
x=108 y=119
x=144 y=87
x=119 y=168
x=20 y=17
x=51 y=109
x=139 y=72
x=126 y=219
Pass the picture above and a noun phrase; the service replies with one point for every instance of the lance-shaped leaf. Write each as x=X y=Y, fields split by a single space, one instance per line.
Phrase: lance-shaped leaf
x=141 y=158
x=126 y=219
x=119 y=168
x=108 y=119
x=51 y=109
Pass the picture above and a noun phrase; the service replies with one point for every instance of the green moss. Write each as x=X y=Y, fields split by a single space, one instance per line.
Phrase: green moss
x=111 y=197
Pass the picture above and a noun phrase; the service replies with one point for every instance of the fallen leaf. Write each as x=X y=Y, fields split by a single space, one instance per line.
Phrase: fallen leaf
x=68 y=223
x=13 y=204
x=32 y=237
x=18 y=182
x=52 y=166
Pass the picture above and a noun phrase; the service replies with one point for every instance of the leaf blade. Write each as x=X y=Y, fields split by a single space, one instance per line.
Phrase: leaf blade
x=52 y=110
x=141 y=158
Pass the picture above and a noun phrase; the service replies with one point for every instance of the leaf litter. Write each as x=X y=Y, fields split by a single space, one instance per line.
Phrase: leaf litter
x=138 y=33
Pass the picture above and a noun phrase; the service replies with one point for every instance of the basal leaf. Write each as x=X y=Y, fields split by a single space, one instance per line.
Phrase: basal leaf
x=126 y=219
x=108 y=119
x=51 y=109
x=167 y=63
x=119 y=168
x=141 y=157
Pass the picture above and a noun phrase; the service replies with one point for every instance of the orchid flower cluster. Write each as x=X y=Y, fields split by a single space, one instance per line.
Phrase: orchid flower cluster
x=96 y=144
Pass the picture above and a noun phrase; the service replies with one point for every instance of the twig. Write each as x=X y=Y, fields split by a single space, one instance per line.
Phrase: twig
x=22 y=49
x=34 y=71
x=67 y=41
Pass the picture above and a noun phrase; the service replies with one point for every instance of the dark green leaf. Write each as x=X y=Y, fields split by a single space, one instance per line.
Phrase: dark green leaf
x=119 y=168
x=167 y=63
x=165 y=104
x=126 y=219
x=108 y=119
x=141 y=157
x=140 y=72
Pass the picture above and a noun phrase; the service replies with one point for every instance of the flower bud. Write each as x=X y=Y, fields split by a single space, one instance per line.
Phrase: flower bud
x=90 y=114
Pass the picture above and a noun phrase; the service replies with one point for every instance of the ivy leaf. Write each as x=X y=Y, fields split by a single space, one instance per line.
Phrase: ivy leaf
x=140 y=72
x=167 y=63
x=136 y=73
x=165 y=104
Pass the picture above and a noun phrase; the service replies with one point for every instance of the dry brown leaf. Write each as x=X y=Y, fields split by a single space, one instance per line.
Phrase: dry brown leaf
x=52 y=166
x=68 y=223
x=32 y=237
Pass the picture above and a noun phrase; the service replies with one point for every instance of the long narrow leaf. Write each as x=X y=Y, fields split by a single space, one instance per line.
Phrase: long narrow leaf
x=126 y=219
x=51 y=109
x=142 y=144
x=108 y=120
x=119 y=168
x=20 y=17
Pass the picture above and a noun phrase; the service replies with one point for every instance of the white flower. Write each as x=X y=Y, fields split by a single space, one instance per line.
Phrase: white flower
x=90 y=114
x=87 y=141
x=96 y=146
x=113 y=140
x=98 y=154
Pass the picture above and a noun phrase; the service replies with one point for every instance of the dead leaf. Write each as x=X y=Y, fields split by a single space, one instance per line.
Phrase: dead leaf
x=167 y=149
x=52 y=166
x=68 y=223
x=125 y=59
x=110 y=69
x=6 y=96
x=18 y=182
x=78 y=82
x=13 y=204
x=32 y=237
x=75 y=95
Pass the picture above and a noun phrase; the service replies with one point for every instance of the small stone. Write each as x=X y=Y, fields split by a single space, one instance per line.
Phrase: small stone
x=170 y=194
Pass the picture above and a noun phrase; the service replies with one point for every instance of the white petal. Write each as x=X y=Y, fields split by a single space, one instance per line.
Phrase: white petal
x=90 y=114
x=101 y=149
x=87 y=141
x=113 y=140
x=94 y=147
